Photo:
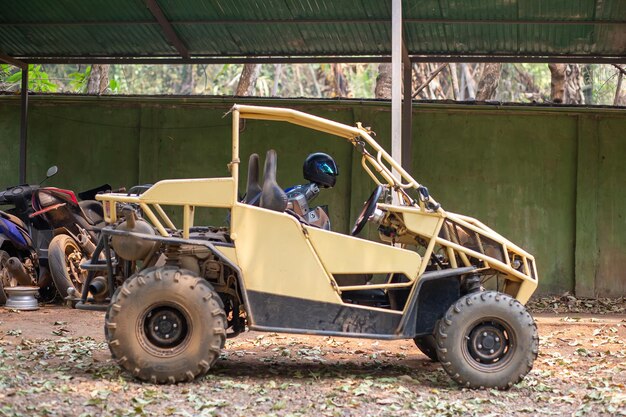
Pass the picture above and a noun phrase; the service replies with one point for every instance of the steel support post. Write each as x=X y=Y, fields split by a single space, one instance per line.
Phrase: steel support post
x=23 y=125
x=396 y=81
x=407 y=111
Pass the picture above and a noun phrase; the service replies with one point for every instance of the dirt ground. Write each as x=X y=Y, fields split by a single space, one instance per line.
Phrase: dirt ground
x=54 y=362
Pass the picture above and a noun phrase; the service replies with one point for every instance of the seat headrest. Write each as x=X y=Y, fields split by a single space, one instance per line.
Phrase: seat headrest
x=272 y=195
x=253 y=188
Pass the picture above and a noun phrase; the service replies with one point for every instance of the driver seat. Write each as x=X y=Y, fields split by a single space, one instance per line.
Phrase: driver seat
x=253 y=189
x=272 y=195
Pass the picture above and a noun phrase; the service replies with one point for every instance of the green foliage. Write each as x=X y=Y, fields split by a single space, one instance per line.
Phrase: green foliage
x=362 y=80
x=38 y=79
x=519 y=82
x=114 y=85
x=5 y=69
x=79 y=80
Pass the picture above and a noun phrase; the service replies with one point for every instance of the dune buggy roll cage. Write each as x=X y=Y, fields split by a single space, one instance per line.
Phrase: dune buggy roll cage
x=451 y=231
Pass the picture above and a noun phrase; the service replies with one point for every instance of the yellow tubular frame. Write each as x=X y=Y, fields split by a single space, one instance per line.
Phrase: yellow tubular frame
x=378 y=164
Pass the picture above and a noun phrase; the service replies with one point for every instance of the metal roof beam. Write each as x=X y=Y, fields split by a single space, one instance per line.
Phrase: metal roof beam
x=167 y=28
x=15 y=62
x=294 y=59
x=366 y=21
x=525 y=59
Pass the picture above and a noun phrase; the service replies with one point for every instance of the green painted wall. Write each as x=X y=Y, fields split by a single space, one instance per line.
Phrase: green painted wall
x=551 y=180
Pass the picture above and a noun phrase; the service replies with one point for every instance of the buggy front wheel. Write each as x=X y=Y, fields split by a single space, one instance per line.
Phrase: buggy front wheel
x=487 y=340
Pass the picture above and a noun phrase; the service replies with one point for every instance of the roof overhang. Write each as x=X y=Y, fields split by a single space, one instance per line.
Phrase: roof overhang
x=272 y=31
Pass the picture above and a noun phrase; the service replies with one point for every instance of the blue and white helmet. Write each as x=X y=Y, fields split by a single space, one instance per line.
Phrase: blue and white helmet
x=321 y=169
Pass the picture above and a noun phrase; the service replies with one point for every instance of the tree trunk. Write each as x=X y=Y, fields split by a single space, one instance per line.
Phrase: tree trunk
x=278 y=71
x=587 y=89
x=334 y=81
x=186 y=86
x=316 y=84
x=468 y=85
x=488 y=83
x=565 y=85
x=455 y=81
x=383 y=81
x=98 y=81
x=247 y=80
x=341 y=82
x=573 y=91
x=557 y=83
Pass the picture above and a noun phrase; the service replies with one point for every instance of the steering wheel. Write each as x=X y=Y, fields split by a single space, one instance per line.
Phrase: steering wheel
x=367 y=211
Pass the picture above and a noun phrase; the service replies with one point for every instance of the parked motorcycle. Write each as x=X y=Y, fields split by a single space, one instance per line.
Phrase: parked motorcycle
x=75 y=228
x=24 y=242
x=45 y=237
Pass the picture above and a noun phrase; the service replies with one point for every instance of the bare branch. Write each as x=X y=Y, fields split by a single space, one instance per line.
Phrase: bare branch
x=429 y=79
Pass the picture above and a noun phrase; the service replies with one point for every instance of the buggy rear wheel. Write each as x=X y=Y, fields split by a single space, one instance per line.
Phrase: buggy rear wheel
x=487 y=340
x=165 y=325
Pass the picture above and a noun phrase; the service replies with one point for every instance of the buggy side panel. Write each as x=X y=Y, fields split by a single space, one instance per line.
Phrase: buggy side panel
x=201 y=192
x=343 y=254
x=276 y=257
x=296 y=315
x=422 y=223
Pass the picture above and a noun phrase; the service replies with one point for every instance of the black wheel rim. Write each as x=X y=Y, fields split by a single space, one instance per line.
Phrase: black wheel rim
x=490 y=344
x=166 y=329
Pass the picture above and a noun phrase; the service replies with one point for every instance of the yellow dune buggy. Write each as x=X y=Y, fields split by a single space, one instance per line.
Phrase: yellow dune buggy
x=175 y=293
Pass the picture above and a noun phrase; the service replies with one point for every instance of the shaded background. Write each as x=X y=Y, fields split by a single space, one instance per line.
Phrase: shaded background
x=549 y=179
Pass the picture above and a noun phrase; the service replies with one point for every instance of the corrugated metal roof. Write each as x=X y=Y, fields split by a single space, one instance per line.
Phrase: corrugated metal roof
x=33 y=29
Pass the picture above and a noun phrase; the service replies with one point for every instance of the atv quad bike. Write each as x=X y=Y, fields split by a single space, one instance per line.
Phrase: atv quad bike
x=176 y=293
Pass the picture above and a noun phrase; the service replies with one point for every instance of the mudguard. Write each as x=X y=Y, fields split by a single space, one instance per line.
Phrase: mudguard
x=17 y=235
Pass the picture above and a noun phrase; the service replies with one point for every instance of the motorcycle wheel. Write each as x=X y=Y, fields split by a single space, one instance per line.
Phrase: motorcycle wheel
x=4 y=276
x=64 y=259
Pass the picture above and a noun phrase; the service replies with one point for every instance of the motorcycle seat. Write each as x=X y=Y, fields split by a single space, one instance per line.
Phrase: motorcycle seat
x=13 y=219
x=92 y=211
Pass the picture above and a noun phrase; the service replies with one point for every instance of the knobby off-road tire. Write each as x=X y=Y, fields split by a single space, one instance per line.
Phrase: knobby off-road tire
x=66 y=272
x=4 y=257
x=487 y=340
x=428 y=346
x=165 y=325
